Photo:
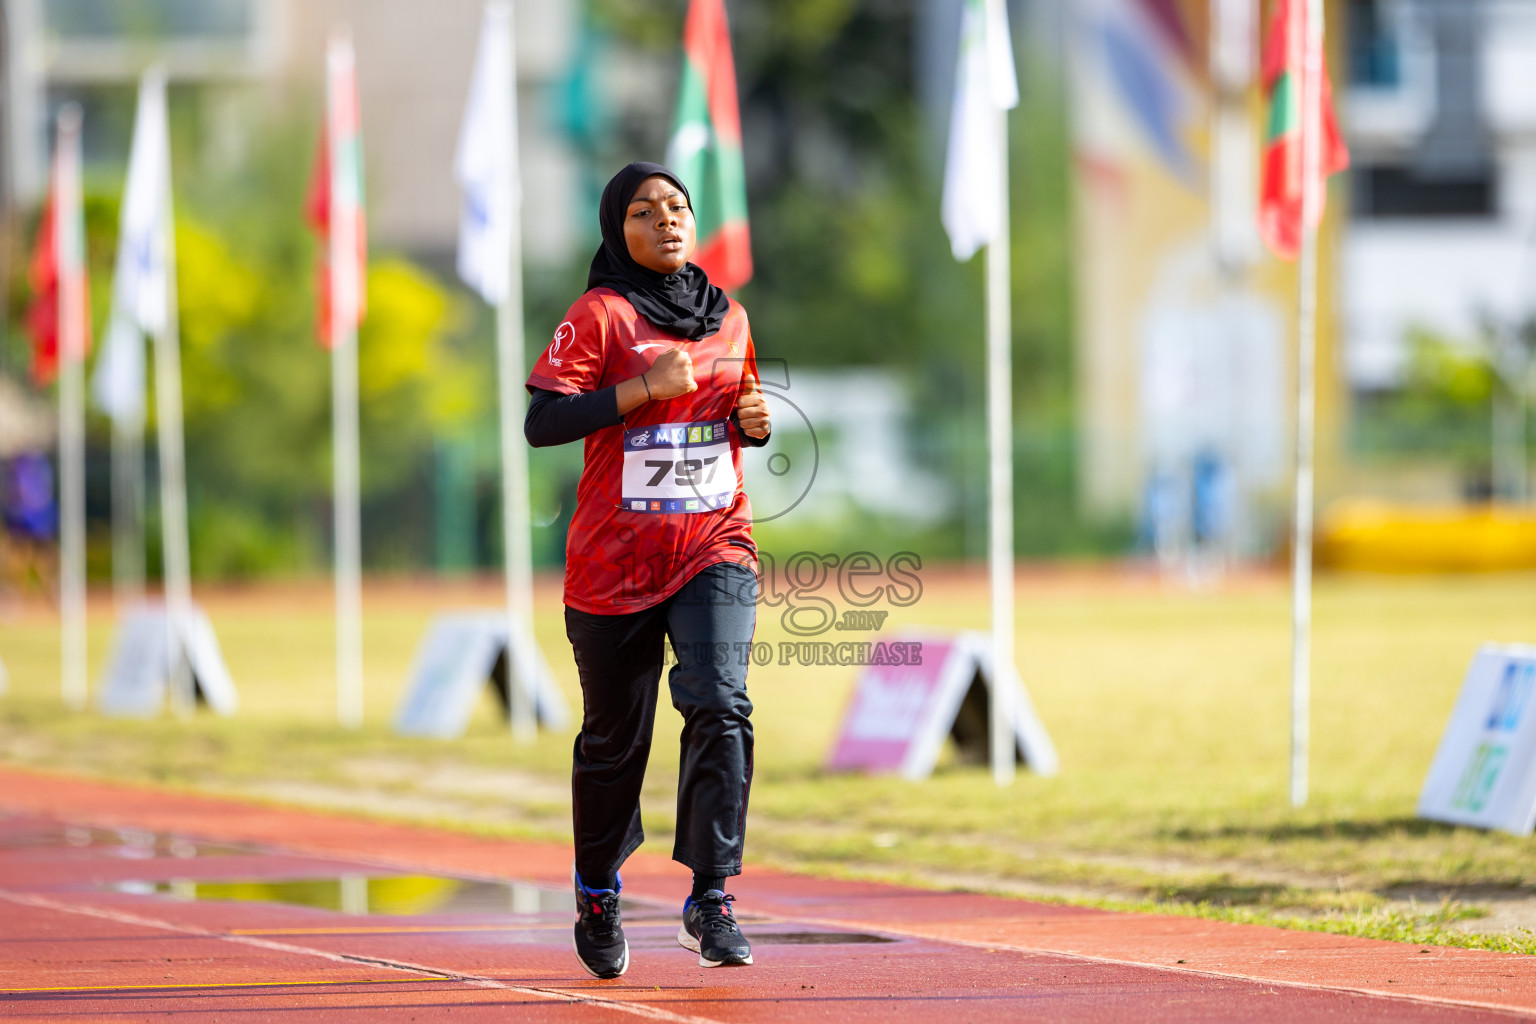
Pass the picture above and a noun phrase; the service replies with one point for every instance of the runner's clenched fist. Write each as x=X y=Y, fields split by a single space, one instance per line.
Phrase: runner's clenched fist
x=752 y=408
x=671 y=375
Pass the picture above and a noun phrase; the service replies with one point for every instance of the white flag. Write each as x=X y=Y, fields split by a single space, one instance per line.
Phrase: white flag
x=140 y=283
x=140 y=287
x=486 y=163
x=985 y=84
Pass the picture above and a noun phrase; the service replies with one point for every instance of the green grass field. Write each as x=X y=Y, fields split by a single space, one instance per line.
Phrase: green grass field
x=1169 y=708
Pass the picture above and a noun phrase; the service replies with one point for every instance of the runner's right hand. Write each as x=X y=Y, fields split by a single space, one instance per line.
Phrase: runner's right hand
x=671 y=375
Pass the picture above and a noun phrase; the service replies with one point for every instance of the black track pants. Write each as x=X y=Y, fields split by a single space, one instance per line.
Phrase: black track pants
x=710 y=623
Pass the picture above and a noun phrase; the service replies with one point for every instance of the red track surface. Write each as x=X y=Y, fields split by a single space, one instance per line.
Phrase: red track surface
x=75 y=946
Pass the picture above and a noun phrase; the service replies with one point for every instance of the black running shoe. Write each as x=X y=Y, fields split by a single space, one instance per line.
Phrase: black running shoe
x=599 y=938
x=709 y=929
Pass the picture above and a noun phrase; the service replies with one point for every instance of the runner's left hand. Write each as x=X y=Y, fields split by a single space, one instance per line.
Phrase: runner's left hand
x=752 y=408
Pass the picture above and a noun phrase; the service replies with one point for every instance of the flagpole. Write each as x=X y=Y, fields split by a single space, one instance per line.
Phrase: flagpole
x=347 y=521
x=1000 y=475
x=347 y=517
x=128 y=511
x=517 y=540
x=71 y=358
x=176 y=556
x=1306 y=404
x=136 y=311
x=522 y=682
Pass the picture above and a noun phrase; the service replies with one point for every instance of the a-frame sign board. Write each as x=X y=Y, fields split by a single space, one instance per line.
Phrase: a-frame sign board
x=459 y=655
x=138 y=675
x=1484 y=772
x=901 y=714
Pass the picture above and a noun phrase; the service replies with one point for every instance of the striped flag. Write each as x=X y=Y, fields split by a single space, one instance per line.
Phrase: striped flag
x=705 y=149
x=1295 y=35
x=985 y=85
x=334 y=206
x=59 y=318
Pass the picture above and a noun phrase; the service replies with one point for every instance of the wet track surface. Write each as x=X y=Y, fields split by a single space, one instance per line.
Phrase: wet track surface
x=121 y=903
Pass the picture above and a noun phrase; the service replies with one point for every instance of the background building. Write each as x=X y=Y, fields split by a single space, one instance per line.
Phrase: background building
x=1440 y=250
x=229 y=58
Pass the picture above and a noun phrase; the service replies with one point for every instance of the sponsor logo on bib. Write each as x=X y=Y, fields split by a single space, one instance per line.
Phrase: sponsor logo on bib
x=678 y=467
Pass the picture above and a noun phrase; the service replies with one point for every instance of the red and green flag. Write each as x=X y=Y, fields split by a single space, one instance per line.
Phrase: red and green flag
x=1295 y=34
x=59 y=318
x=705 y=149
x=334 y=206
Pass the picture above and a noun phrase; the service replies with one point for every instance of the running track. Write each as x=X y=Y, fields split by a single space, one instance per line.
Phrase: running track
x=81 y=938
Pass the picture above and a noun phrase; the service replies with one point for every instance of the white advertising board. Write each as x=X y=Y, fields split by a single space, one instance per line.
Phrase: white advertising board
x=941 y=686
x=1484 y=772
x=138 y=674
x=458 y=657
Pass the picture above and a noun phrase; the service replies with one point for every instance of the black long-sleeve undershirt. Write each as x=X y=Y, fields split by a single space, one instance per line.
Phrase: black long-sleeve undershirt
x=554 y=418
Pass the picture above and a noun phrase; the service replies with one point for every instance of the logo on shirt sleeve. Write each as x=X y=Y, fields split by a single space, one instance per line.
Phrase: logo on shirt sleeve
x=564 y=335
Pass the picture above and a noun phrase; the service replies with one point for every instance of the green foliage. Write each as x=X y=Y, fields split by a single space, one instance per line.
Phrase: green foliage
x=256 y=383
x=852 y=264
x=853 y=267
x=1441 y=409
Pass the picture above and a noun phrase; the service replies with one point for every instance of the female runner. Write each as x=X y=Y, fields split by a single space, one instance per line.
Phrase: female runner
x=655 y=367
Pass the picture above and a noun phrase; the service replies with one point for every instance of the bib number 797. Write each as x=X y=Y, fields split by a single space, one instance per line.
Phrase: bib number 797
x=690 y=472
x=678 y=467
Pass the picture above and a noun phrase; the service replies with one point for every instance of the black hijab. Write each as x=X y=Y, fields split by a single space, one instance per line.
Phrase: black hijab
x=684 y=303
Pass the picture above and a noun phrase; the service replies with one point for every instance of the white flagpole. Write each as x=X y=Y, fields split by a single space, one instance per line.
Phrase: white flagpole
x=517 y=542
x=177 y=557
x=1000 y=475
x=522 y=682
x=1306 y=405
x=128 y=511
x=71 y=361
x=136 y=310
x=347 y=524
x=346 y=511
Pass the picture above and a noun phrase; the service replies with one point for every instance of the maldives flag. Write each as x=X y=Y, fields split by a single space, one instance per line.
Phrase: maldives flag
x=1295 y=35
x=334 y=206
x=705 y=149
x=59 y=318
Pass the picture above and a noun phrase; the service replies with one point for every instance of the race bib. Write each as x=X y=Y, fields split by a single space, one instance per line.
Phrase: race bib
x=678 y=467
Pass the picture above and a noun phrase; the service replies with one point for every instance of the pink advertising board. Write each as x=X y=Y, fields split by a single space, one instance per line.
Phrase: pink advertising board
x=899 y=715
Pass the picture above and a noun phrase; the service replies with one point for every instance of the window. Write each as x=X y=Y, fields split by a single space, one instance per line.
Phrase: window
x=91 y=20
x=1375 y=55
x=1388 y=191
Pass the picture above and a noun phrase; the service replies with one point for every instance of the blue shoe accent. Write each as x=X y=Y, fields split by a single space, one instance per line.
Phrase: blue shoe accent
x=709 y=929
x=596 y=892
x=599 y=936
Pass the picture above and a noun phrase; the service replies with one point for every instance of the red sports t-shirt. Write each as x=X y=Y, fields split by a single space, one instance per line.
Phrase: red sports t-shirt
x=661 y=494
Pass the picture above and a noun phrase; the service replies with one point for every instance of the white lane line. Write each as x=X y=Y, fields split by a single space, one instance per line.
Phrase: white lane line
x=838 y=924
x=555 y=995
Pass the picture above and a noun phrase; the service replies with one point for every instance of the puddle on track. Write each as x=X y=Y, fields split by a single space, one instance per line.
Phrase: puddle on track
x=125 y=843
x=443 y=895
x=382 y=895
x=354 y=894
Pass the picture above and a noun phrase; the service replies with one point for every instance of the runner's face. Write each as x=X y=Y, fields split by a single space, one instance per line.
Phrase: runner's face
x=658 y=227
